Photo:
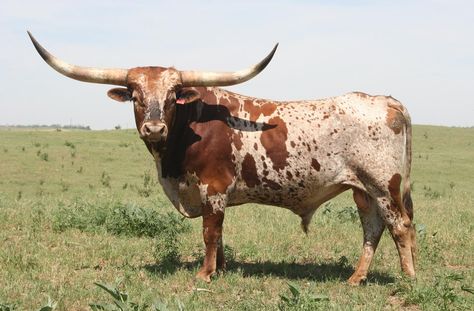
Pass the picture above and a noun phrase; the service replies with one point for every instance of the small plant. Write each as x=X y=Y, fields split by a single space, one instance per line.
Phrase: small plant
x=105 y=179
x=124 y=145
x=121 y=301
x=19 y=195
x=444 y=293
x=64 y=186
x=50 y=306
x=7 y=307
x=430 y=193
x=344 y=214
x=429 y=245
x=69 y=144
x=148 y=185
x=452 y=185
x=43 y=155
x=301 y=301
x=348 y=213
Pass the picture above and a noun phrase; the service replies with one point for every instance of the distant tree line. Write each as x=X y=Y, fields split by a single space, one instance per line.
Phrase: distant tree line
x=52 y=126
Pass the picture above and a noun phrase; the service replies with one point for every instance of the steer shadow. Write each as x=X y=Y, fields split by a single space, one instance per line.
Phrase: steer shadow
x=322 y=272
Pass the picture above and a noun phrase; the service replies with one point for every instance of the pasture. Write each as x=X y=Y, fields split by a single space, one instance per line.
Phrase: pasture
x=83 y=207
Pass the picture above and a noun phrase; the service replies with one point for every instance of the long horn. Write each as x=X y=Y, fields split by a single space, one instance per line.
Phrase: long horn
x=86 y=74
x=203 y=78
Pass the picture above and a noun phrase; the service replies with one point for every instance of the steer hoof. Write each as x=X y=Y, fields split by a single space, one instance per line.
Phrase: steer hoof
x=356 y=280
x=204 y=276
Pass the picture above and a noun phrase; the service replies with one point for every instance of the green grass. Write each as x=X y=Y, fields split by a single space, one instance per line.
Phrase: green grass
x=83 y=207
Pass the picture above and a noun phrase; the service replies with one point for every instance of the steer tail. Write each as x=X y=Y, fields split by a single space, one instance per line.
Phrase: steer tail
x=407 y=202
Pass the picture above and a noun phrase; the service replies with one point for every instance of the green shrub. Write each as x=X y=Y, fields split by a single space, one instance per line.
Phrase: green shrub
x=444 y=292
x=116 y=218
x=80 y=215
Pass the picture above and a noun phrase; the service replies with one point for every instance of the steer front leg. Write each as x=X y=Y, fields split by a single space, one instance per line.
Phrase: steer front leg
x=213 y=217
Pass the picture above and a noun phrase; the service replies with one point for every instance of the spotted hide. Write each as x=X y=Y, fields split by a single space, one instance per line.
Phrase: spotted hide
x=214 y=149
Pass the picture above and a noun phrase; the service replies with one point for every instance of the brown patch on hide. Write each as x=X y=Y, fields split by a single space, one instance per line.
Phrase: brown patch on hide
x=209 y=97
x=315 y=164
x=233 y=106
x=394 y=189
x=274 y=142
x=255 y=111
x=395 y=119
x=211 y=157
x=271 y=184
x=360 y=198
x=249 y=171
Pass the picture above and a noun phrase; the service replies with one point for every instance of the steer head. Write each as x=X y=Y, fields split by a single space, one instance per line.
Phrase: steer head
x=154 y=91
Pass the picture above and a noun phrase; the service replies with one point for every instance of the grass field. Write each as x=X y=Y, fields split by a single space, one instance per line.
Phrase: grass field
x=79 y=207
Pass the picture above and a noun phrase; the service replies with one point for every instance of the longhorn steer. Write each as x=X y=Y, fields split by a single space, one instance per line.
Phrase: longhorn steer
x=214 y=148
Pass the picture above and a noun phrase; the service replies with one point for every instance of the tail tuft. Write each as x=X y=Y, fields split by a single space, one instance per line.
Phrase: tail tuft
x=306 y=220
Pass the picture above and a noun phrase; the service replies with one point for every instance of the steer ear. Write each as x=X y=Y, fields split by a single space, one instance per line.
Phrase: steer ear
x=187 y=96
x=120 y=94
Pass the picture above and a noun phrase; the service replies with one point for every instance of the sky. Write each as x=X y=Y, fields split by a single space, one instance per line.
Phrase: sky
x=420 y=52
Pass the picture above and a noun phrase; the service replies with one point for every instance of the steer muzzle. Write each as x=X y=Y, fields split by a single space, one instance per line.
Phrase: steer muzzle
x=153 y=131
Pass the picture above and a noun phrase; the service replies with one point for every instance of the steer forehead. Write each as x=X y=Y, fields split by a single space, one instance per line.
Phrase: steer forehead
x=152 y=82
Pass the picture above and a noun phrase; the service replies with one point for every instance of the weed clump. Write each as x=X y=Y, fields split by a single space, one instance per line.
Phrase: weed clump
x=133 y=220
x=125 y=220
x=80 y=215
x=105 y=179
x=445 y=292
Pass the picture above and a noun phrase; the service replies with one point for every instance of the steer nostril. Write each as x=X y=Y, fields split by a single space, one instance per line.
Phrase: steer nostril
x=146 y=130
x=162 y=130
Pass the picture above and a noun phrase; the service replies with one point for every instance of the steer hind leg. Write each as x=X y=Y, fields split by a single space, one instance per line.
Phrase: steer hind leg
x=373 y=227
x=401 y=230
x=213 y=218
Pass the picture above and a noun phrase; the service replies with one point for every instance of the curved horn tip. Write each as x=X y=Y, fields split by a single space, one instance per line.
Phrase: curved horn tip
x=31 y=36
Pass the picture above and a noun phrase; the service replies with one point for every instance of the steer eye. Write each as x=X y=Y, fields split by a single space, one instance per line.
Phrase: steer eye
x=137 y=102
